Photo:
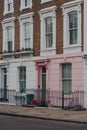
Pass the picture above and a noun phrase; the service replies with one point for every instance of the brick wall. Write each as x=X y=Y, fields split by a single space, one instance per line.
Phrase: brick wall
x=36 y=7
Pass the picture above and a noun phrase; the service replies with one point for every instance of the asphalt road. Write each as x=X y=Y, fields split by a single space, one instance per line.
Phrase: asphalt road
x=17 y=123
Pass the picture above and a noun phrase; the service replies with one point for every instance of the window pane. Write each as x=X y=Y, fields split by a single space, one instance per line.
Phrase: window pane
x=22 y=87
x=43 y=69
x=9 y=38
x=49 y=40
x=9 y=33
x=66 y=77
x=73 y=20
x=22 y=73
x=9 y=46
x=49 y=32
x=22 y=79
x=49 y=25
x=73 y=27
x=9 y=4
x=26 y=30
x=27 y=35
x=66 y=86
x=66 y=71
x=73 y=36
x=27 y=43
x=27 y=3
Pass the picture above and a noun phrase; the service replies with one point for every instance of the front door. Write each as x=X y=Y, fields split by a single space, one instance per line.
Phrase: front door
x=43 y=96
x=4 y=84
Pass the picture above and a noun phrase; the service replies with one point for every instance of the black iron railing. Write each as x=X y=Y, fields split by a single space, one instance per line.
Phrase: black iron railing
x=43 y=98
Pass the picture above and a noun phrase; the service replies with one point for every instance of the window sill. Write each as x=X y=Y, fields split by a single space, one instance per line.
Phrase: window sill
x=48 y=52
x=42 y=2
x=72 y=49
x=48 y=49
x=72 y=46
x=23 y=8
x=19 y=52
x=8 y=12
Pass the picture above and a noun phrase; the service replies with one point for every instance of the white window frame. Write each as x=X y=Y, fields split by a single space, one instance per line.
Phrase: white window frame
x=44 y=1
x=9 y=38
x=26 y=18
x=67 y=79
x=67 y=8
x=22 y=90
x=6 y=7
x=48 y=32
x=22 y=6
x=27 y=37
x=73 y=28
x=6 y=23
x=45 y=13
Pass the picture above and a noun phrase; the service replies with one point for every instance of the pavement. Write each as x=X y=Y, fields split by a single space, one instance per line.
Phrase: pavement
x=47 y=113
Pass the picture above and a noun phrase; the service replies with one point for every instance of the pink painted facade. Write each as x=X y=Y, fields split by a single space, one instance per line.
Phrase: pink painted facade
x=54 y=73
x=53 y=66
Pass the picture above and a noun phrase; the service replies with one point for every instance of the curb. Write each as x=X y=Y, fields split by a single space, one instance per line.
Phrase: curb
x=42 y=118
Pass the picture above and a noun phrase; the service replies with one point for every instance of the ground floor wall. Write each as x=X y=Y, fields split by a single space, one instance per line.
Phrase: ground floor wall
x=53 y=66
x=54 y=71
x=13 y=73
x=54 y=80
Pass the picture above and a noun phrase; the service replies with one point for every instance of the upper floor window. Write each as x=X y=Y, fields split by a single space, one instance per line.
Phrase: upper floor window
x=26 y=31
x=8 y=34
x=26 y=4
x=72 y=26
x=48 y=31
x=8 y=6
x=22 y=79
x=44 y=1
x=9 y=38
x=27 y=34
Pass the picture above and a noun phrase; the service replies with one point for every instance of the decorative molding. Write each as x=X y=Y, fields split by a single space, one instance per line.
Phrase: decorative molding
x=6 y=9
x=44 y=13
x=66 y=9
x=47 y=10
x=72 y=3
x=45 y=1
x=22 y=7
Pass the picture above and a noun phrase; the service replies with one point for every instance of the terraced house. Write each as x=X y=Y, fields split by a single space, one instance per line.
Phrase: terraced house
x=43 y=52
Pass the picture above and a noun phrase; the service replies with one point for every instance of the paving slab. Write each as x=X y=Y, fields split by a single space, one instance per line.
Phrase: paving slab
x=45 y=113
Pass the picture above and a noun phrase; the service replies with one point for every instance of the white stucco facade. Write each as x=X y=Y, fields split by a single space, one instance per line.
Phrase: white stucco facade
x=12 y=73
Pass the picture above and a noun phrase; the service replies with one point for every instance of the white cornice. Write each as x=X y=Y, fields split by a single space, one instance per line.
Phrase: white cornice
x=8 y=20
x=46 y=10
x=24 y=16
x=73 y=3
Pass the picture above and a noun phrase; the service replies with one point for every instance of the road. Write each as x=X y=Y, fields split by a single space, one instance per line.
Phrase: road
x=18 y=123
